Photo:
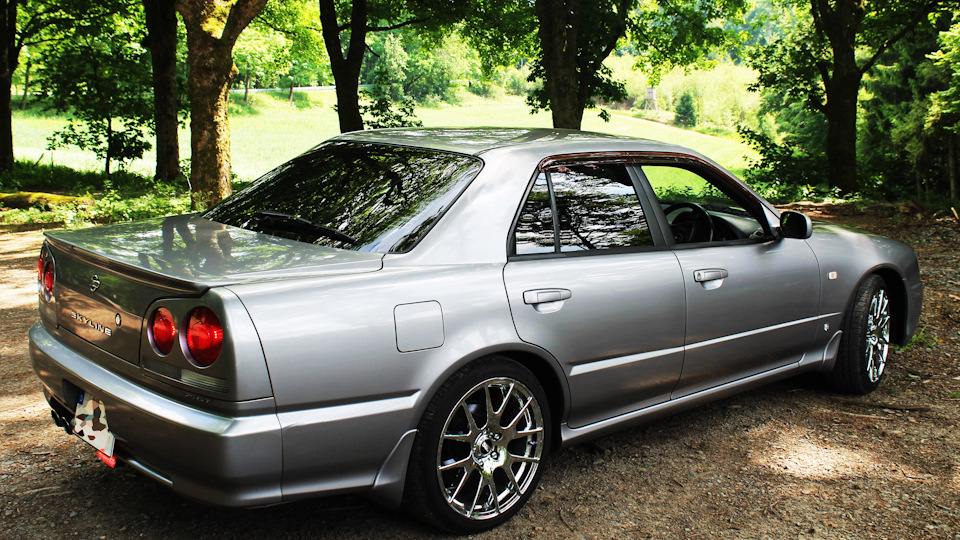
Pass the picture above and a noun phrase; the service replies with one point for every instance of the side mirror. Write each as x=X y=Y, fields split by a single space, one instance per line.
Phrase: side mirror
x=795 y=225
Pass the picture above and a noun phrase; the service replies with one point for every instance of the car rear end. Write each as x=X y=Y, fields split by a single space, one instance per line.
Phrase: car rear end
x=168 y=371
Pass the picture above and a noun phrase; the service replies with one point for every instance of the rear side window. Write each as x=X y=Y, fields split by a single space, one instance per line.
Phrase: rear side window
x=534 y=231
x=592 y=207
x=357 y=196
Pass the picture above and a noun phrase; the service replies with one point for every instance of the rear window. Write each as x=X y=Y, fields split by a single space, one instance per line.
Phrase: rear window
x=357 y=196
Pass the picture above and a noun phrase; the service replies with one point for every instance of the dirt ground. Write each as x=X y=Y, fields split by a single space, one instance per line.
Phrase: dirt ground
x=791 y=460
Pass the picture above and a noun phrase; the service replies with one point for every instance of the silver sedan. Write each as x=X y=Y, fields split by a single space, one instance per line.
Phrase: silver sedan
x=424 y=315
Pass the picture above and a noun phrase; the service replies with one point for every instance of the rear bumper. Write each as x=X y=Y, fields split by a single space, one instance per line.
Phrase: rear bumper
x=214 y=458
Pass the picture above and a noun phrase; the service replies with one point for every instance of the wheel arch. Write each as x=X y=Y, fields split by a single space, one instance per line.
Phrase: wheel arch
x=543 y=369
x=540 y=362
x=897 y=289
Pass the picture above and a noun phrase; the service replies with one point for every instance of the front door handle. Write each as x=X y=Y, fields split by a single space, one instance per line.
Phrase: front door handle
x=710 y=274
x=542 y=296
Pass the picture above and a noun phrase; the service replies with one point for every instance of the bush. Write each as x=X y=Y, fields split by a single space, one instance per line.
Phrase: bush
x=686 y=113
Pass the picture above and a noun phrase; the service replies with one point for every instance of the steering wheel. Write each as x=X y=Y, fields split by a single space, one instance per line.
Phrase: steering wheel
x=693 y=226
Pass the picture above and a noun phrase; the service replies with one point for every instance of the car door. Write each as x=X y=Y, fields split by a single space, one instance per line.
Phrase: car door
x=752 y=299
x=591 y=282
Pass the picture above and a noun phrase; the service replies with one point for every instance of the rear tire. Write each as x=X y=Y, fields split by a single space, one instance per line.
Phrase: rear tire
x=480 y=447
x=865 y=343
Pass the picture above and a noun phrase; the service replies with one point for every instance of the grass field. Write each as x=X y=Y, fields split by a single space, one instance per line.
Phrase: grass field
x=271 y=130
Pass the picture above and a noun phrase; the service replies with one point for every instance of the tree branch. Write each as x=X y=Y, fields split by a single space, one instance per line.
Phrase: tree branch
x=239 y=17
x=396 y=26
x=918 y=16
x=276 y=28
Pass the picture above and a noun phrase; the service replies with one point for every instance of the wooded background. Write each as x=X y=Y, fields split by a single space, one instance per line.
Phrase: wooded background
x=844 y=95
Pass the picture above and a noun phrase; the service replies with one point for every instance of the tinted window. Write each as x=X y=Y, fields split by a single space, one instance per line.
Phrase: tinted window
x=598 y=208
x=365 y=197
x=534 y=231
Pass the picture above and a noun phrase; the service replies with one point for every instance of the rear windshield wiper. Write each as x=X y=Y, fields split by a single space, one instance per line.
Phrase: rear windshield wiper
x=299 y=224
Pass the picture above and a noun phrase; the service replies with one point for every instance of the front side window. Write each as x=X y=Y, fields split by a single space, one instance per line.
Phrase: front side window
x=594 y=207
x=357 y=196
x=697 y=210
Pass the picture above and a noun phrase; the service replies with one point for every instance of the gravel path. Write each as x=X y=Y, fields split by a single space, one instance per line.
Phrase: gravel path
x=791 y=460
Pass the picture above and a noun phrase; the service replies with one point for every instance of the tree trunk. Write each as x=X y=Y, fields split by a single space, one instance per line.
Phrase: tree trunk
x=346 y=69
x=106 y=168
x=9 y=52
x=559 y=23
x=213 y=27
x=290 y=95
x=839 y=21
x=26 y=85
x=208 y=84
x=161 y=19
x=952 y=164
x=841 y=112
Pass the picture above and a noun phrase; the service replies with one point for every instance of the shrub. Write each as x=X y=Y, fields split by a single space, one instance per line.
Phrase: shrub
x=686 y=113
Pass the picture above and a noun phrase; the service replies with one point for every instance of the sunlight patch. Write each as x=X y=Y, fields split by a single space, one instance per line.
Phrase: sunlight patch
x=808 y=458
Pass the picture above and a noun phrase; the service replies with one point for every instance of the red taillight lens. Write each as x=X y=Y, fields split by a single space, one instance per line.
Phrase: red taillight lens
x=40 y=267
x=48 y=278
x=204 y=336
x=164 y=330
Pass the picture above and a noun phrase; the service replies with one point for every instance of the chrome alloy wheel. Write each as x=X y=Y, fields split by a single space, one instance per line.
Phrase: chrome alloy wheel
x=490 y=448
x=878 y=334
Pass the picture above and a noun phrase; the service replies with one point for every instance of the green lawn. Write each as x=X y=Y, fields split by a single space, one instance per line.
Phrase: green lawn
x=271 y=130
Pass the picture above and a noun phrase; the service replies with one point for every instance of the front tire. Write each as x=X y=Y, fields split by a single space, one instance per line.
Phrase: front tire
x=480 y=448
x=866 y=340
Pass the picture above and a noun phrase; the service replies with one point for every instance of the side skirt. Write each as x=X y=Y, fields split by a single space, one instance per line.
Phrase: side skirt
x=571 y=436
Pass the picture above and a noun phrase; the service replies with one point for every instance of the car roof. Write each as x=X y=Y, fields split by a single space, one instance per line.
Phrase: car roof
x=476 y=141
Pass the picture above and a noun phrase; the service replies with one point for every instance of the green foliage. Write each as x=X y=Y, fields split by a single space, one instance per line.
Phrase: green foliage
x=112 y=207
x=100 y=76
x=125 y=196
x=920 y=340
x=903 y=140
x=28 y=176
x=686 y=113
x=389 y=106
x=282 y=47
x=682 y=33
x=421 y=70
x=164 y=200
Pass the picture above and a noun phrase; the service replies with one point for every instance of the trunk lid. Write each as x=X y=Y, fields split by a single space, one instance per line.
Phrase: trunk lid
x=107 y=277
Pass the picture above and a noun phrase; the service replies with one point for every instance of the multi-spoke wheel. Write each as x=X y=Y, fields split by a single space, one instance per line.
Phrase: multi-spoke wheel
x=866 y=340
x=479 y=452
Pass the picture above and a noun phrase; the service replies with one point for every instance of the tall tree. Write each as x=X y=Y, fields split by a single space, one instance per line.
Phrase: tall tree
x=825 y=62
x=36 y=22
x=161 y=21
x=346 y=24
x=213 y=27
x=22 y=23
x=575 y=37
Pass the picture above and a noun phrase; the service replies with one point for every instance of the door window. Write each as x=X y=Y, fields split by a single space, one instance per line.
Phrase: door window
x=595 y=207
x=534 y=232
x=698 y=210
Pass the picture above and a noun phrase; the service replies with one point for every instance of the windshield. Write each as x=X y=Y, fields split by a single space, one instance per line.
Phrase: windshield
x=358 y=196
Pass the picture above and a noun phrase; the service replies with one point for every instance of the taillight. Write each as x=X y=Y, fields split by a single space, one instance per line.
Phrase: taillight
x=163 y=330
x=48 y=278
x=40 y=267
x=204 y=336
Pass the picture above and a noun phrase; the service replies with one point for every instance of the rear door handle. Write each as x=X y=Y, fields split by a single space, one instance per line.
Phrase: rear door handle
x=542 y=296
x=709 y=274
